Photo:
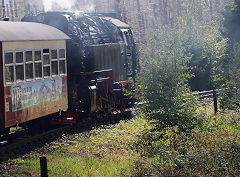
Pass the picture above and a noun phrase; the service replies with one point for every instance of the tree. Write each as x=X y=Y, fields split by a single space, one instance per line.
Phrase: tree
x=202 y=38
x=163 y=82
x=231 y=22
x=175 y=56
x=230 y=98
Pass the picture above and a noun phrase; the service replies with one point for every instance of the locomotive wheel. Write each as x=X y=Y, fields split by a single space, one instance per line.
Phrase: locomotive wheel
x=38 y=126
x=34 y=128
x=123 y=105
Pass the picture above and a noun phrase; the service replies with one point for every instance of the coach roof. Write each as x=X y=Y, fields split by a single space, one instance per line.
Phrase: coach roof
x=29 y=31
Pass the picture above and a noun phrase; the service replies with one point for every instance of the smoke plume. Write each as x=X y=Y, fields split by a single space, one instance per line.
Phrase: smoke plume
x=69 y=5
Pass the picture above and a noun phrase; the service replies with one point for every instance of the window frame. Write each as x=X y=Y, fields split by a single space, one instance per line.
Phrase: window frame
x=19 y=64
x=12 y=64
x=29 y=62
x=46 y=65
x=55 y=60
x=62 y=59
x=37 y=62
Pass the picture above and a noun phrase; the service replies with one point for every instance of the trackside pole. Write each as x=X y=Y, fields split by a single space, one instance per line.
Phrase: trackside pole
x=215 y=101
x=43 y=165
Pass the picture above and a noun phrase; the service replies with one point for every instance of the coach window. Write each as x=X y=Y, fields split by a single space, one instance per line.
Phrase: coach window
x=29 y=65
x=38 y=63
x=19 y=66
x=54 y=62
x=62 y=61
x=46 y=63
x=9 y=67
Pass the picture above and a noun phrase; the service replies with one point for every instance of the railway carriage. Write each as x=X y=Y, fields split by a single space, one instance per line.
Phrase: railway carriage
x=33 y=72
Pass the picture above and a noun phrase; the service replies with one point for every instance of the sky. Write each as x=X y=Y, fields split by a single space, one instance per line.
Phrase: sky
x=69 y=5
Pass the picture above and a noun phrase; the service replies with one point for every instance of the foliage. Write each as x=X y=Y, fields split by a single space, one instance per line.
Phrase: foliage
x=231 y=22
x=162 y=83
x=202 y=38
x=230 y=95
x=208 y=56
x=192 y=51
x=212 y=151
x=230 y=98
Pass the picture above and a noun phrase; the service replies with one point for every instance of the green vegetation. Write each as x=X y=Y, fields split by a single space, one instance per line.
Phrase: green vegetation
x=71 y=165
x=213 y=150
x=202 y=39
x=184 y=141
x=163 y=82
x=130 y=149
x=231 y=22
x=178 y=59
x=106 y=151
x=231 y=30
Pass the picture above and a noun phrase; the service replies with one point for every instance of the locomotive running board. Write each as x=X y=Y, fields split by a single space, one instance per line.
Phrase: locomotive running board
x=68 y=121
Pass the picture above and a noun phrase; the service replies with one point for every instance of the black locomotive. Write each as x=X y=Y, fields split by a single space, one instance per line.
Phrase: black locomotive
x=101 y=62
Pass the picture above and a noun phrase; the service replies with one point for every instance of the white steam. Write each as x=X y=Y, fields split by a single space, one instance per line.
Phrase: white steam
x=69 y=5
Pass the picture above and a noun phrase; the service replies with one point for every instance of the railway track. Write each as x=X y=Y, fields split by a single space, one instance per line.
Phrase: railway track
x=26 y=144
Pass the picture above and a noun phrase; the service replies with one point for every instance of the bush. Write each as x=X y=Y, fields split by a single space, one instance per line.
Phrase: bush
x=212 y=151
x=163 y=85
x=230 y=97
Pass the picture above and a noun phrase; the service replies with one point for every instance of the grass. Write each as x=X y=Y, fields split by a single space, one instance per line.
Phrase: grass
x=105 y=151
x=131 y=149
x=66 y=165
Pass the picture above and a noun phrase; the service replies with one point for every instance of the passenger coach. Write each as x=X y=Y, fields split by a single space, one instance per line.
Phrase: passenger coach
x=33 y=72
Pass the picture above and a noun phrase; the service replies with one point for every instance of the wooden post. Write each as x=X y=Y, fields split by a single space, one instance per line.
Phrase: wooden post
x=43 y=164
x=215 y=101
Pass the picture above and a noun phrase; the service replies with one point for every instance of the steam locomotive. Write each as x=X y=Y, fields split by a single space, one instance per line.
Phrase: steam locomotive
x=65 y=67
